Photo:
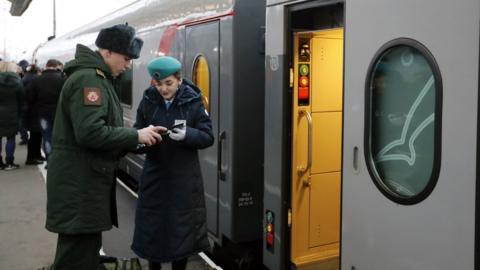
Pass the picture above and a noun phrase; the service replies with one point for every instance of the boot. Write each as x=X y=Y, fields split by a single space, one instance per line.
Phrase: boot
x=154 y=265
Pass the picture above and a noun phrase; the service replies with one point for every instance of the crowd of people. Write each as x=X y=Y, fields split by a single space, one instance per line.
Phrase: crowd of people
x=28 y=99
x=74 y=113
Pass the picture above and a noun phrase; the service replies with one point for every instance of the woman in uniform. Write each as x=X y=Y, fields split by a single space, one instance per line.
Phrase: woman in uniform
x=170 y=221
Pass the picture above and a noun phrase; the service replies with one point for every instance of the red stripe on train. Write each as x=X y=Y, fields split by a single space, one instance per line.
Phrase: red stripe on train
x=167 y=40
x=169 y=34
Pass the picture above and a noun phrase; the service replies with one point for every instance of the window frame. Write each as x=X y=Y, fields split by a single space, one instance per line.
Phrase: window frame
x=372 y=169
x=120 y=96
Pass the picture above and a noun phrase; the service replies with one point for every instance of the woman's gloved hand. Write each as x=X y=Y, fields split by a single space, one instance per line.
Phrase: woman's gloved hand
x=178 y=134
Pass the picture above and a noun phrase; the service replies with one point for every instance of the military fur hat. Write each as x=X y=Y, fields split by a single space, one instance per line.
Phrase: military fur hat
x=120 y=38
x=162 y=67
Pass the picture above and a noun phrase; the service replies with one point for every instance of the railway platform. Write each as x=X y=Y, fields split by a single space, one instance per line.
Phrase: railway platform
x=26 y=244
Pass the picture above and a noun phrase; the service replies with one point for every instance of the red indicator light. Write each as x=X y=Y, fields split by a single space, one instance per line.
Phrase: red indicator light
x=303 y=81
x=269 y=239
x=303 y=93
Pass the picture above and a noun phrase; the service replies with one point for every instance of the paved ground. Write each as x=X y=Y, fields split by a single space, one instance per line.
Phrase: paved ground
x=26 y=244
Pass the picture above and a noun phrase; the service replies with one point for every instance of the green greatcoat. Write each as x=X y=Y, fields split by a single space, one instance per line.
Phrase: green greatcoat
x=88 y=139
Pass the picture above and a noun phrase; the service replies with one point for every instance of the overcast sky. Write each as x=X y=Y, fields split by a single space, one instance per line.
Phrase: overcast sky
x=19 y=36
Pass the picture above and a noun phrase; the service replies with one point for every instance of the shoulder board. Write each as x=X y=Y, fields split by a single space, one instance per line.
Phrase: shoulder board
x=100 y=73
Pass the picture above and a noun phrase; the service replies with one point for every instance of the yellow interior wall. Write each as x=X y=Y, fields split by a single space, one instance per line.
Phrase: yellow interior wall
x=315 y=227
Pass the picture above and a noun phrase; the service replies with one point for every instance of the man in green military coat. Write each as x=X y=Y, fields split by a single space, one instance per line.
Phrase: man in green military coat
x=88 y=140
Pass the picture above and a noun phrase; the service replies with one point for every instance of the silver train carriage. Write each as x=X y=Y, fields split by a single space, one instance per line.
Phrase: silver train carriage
x=371 y=145
x=369 y=160
x=221 y=46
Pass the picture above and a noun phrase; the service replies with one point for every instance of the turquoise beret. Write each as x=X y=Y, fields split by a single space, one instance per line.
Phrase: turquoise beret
x=162 y=67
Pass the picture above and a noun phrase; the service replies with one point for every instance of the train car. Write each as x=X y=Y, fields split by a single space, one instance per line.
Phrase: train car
x=221 y=46
x=359 y=149
x=371 y=145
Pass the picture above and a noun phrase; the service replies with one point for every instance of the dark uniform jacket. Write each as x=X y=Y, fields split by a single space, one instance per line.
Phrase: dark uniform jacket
x=88 y=139
x=11 y=90
x=30 y=107
x=45 y=90
x=170 y=222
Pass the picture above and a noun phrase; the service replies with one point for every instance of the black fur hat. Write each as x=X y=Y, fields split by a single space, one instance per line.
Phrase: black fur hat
x=120 y=38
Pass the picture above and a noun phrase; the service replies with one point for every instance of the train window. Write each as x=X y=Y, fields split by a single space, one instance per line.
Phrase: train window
x=201 y=78
x=124 y=88
x=403 y=103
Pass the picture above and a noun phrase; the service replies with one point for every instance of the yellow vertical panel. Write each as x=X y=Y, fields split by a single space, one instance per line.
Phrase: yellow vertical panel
x=315 y=197
x=300 y=198
x=327 y=74
x=327 y=142
x=324 y=209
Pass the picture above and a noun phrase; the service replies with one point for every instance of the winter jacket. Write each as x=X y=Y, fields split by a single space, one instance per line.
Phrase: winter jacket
x=46 y=91
x=30 y=108
x=11 y=90
x=88 y=139
x=170 y=221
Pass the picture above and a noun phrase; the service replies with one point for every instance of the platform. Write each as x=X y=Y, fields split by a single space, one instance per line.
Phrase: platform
x=26 y=244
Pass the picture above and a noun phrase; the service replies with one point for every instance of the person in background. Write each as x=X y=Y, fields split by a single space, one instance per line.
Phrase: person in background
x=30 y=117
x=88 y=140
x=46 y=91
x=170 y=220
x=23 y=64
x=11 y=89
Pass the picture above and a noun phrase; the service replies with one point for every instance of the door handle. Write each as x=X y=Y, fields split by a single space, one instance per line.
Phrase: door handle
x=355 y=159
x=302 y=169
x=222 y=172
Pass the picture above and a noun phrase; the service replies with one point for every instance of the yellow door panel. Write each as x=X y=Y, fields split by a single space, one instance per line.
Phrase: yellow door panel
x=316 y=149
x=326 y=142
x=324 y=209
x=327 y=74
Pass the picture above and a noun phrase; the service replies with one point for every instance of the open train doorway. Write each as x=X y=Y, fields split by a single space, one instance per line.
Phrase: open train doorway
x=316 y=148
x=316 y=80
x=304 y=114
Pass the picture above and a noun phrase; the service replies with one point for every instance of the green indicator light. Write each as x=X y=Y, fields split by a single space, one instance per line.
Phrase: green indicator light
x=269 y=217
x=304 y=70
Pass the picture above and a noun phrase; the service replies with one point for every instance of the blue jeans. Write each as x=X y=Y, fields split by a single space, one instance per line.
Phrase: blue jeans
x=9 y=149
x=47 y=129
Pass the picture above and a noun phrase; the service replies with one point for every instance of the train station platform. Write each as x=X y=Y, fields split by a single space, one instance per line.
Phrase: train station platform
x=26 y=244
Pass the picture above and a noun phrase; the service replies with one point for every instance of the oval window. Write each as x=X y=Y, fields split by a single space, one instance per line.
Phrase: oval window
x=201 y=78
x=403 y=102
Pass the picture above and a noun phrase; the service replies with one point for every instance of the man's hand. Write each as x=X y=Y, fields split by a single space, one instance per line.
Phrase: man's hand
x=150 y=135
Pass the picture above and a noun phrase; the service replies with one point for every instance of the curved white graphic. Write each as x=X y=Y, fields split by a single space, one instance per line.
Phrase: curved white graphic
x=409 y=157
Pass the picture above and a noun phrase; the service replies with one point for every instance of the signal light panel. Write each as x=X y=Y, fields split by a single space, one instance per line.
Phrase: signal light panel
x=303 y=84
x=269 y=230
x=303 y=69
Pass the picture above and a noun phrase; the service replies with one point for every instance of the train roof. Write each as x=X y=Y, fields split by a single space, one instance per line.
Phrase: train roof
x=144 y=15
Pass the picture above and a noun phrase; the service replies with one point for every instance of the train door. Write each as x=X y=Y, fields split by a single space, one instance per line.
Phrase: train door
x=202 y=64
x=316 y=149
x=410 y=135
